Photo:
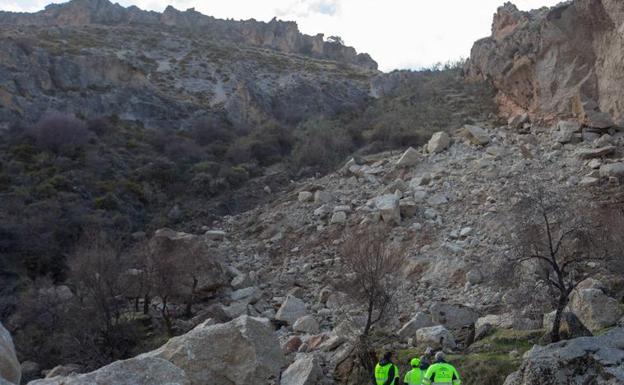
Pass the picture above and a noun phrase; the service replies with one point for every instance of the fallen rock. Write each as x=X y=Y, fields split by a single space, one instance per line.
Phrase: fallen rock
x=566 y=131
x=595 y=360
x=304 y=371
x=409 y=158
x=407 y=207
x=135 y=371
x=388 y=206
x=438 y=142
x=306 y=324
x=215 y=235
x=475 y=135
x=500 y=321
x=595 y=309
x=338 y=218
x=321 y=196
x=592 y=153
x=305 y=196
x=612 y=170
x=571 y=326
x=64 y=370
x=291 y=310
x=244 y=351
x=436 y=337
x=292 y=345
x=517 y=121
x=453 y=316
x=30 y=371
x=419 y=321
x=10 y=369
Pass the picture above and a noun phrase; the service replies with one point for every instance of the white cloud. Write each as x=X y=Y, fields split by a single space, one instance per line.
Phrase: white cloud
x=397 y=33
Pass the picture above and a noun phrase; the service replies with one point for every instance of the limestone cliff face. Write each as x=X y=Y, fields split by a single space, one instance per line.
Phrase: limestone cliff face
x=566 y=61
x=279 y=35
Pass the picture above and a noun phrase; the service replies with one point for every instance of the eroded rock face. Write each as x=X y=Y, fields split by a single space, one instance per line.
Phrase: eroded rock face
x=596 y=360
x=563 y=61
x=10 y=369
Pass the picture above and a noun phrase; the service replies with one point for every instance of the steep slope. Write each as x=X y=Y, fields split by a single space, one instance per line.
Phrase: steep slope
x=560 y=62
x=103 y=59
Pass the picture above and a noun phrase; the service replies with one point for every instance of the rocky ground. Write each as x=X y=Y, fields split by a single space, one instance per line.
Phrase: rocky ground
x=446 y=204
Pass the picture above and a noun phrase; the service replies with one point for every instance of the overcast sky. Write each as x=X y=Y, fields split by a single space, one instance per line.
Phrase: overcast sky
x=397 y=33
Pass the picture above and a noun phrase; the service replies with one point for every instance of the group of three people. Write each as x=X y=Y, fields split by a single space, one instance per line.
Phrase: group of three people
x=440 y=373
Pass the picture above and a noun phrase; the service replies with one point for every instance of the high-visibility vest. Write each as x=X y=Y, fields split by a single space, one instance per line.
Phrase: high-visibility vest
x=442 y=374
x=381 y=373
x=413 y=377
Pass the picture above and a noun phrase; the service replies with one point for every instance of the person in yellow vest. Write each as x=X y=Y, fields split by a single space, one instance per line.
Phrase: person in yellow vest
x=386 y=373
x=414 y=376
x=441 y=373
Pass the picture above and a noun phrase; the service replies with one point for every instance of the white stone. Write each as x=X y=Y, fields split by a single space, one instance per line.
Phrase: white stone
x=476 y=135
x=595 y=309
x=438 y=142
x=305 y=196
x=307 y=324
x=432 y=336
x=291 y=310
x=419 y=321
x=388 y=206
x=409 y=158
x=304 y=371
x=339 y=217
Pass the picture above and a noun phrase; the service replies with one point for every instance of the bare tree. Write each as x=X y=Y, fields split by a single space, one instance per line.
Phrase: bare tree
x=560 y=238
x=372 y=267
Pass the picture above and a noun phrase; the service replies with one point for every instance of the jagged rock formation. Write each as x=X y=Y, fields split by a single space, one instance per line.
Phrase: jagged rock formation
x=283 y=36
x=10 y=371
x=241 y=352
x=565 y=61
x=171 y=69
x=595 y=360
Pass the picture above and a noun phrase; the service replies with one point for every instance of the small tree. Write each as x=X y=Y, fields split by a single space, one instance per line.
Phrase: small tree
x=372 y=267
x=556 y=234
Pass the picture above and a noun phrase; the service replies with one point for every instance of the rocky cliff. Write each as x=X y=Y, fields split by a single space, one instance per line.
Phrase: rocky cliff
x=283 y=36
x=170 y=69
x=565 y=61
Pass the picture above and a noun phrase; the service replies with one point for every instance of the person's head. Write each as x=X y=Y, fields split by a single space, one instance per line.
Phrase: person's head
x=387 y=356
x=440 y=356
x=415 y=363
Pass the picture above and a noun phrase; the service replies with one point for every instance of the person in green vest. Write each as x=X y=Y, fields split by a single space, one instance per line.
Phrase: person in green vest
x=386 y=373
x=414 y=376
x=441 y=373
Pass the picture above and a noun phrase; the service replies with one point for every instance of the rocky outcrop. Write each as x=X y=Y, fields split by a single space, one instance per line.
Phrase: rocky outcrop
x=563 y=61
x=241 y=352
x=10 y=370
x=596 y=360
x=595 y=309
x=278 y=35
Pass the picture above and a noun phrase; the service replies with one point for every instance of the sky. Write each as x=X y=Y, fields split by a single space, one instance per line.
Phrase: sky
x=398 y=34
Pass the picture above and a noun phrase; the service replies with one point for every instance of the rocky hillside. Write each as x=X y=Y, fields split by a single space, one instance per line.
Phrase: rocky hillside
x=171 y=69
x=565 y=61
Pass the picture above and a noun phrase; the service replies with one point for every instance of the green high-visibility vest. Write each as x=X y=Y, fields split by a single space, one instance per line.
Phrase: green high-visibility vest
x=413 y=377
x=442 y=373
x=381 y=373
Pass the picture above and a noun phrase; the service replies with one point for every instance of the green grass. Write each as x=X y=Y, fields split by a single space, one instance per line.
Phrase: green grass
x=487 y=362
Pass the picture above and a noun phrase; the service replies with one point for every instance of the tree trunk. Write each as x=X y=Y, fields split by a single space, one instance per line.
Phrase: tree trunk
x=554 y=334
x=166 y=317
x=369 y=318
x=367 y=357
x=191 y=300
x=146 y=303
x=136 y=304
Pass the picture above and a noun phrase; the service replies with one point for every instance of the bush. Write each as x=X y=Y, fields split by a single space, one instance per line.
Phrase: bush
x=235 y=176
x=321 y=146
x=60 y=133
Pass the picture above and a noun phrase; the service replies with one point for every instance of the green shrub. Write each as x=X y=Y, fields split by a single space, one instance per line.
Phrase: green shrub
x=107 y=202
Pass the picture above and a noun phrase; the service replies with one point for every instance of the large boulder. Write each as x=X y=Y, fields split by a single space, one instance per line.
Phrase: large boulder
x=436 y=337
x=135 y=371
x=10 y=369
x=291 y=310
x=190 y=250
x=389 y=208
x=304 y=371
x=570 y=327
x=586 y=360
x=409 y=158
x=475 y=135
x=595 y=309
x=245 y=351
x=419 y=321
x=453 y=316
x=438 y=142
